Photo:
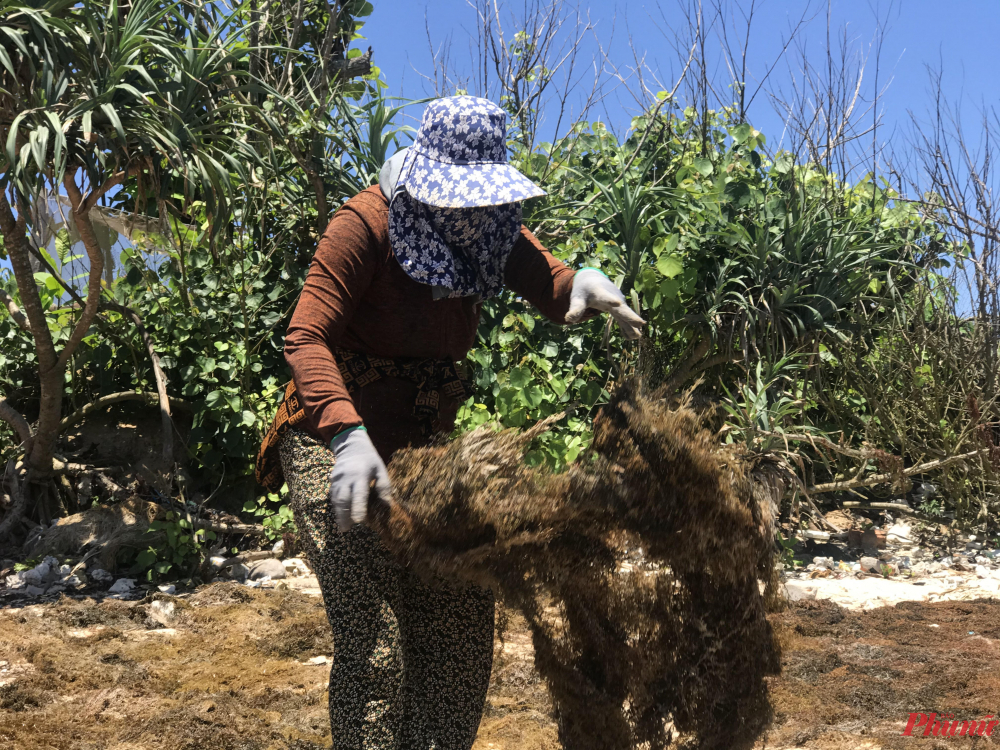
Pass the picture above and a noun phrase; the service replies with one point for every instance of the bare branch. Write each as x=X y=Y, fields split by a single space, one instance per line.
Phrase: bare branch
x=81 y=216
x=114 y=180
x=356 y=66
x=167 y=425
x=229 y=528
x=15 y=311
x=16 y=509
x=16 y=420
x=876 y=479
x=103 y=402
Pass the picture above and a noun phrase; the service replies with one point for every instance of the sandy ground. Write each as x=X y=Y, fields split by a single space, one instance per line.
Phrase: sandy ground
x=232 y=668
x=873 y=592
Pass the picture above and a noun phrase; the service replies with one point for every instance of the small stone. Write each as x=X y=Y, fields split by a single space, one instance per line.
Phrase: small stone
x=122 y=586
x=216 y=562
x=75 y=581
x=269 y=568
x=169 y=589
x=946 y=562
x=99 y=575
x=982 y=572
x=162 y=612
x=279 y=547
x=34 y=590
x=36 y=575
x=296 y=566
x=239 y=572
x=870 y=565
x=65 y=570
x=799 y=591
x=823 y=562
x=317 y=660
x=15 y=581
x=899 y=533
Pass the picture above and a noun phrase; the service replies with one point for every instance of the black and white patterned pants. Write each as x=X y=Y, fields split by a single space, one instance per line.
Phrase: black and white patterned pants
x=412 y=661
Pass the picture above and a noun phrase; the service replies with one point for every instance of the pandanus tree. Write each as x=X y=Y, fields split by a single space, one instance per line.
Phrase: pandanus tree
x=97 y=97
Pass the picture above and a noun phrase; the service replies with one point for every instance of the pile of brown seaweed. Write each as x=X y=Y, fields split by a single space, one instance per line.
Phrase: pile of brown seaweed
x=637 y=570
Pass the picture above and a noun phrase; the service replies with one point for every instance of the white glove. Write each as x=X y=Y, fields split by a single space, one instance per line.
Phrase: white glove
x=357 y=465
x=595 y=291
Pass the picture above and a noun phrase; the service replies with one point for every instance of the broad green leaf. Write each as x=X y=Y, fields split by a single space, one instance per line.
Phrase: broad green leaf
x=665 y=244
x=670 y=265
x=783 y=163
x=741 y=133
x=520 y=377
x=533 y=396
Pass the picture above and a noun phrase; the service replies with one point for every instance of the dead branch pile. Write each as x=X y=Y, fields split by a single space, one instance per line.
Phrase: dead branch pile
x=671 y=647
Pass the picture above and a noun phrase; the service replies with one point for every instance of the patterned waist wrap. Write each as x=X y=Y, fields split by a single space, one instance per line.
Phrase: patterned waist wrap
x=433 y=378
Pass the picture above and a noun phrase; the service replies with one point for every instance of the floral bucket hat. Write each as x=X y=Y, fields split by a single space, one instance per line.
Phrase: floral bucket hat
x=459 y=158
x=454 y=201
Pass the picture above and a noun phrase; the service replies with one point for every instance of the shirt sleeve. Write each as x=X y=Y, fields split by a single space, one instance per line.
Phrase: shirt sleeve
x=539 y=277
x=342 y=269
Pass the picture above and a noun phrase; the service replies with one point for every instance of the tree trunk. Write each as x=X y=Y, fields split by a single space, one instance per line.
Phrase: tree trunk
x=51 y=366
x=50 y=373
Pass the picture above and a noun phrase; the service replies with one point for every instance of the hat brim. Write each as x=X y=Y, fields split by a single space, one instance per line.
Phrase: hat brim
x=446 y=185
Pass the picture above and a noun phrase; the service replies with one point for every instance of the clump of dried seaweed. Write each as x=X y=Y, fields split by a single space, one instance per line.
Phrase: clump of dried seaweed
x=638 y=649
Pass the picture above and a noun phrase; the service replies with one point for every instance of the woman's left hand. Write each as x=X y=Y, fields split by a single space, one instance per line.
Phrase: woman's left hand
x=595 y=291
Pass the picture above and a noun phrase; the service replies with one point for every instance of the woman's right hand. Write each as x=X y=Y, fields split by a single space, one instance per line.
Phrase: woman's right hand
x=357 y=466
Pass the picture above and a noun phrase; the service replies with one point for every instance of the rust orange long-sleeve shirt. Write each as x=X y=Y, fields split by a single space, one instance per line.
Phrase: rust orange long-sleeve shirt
x=357 y=297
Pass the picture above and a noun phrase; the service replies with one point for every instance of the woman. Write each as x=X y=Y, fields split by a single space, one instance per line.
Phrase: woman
x=390 y=304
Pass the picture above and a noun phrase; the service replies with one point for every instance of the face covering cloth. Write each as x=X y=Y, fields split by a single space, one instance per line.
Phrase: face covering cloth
x=460 y=252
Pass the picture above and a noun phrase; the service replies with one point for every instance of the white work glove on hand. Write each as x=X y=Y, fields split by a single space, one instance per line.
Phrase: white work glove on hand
x=357 y=465
x=595 y=291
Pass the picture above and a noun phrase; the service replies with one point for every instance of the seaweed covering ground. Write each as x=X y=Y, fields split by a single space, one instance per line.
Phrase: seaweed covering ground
x=637 y=571
x=233 y=672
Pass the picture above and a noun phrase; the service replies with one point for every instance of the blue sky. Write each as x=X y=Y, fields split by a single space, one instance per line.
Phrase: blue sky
x=958 y=36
